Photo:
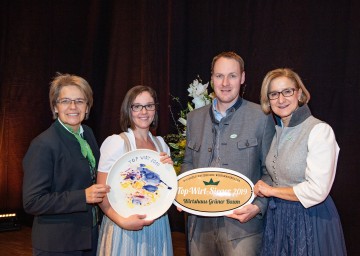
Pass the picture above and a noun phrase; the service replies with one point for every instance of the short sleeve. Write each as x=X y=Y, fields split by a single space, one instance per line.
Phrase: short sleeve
x=111 y=150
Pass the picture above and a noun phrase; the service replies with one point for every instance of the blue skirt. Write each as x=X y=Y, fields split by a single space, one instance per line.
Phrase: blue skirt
x=292 y=229
x=153 y=240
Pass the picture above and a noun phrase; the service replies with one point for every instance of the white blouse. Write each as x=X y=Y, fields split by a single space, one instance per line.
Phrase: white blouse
x=321 y=162
x=113 y=148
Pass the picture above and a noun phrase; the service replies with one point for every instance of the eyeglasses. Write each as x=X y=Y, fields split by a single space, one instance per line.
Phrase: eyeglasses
x=286 y=93
x=67 y=102
x=148 y=107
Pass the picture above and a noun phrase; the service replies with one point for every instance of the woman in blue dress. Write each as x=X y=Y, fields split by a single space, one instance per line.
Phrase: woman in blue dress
x=301 y=217
x=133 y=235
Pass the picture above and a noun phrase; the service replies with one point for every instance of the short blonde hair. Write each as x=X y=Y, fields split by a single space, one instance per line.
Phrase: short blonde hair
x=62 y=80
x=281 y=72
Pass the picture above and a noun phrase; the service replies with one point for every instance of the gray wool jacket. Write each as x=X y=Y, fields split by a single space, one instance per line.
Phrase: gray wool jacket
x=245 y=135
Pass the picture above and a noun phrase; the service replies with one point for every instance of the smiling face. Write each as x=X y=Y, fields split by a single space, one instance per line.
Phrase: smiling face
x=227 y=78
x=284 y=106
x=142 y=119
x=71 y=114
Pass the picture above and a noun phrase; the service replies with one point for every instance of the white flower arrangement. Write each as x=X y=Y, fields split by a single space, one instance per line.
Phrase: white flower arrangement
x=177 y=142
x=199 y=93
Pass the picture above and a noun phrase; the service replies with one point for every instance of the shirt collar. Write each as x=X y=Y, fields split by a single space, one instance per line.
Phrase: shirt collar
x=81 y=129
x=218 y=116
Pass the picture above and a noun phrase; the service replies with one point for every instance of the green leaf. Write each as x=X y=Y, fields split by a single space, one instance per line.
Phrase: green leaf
x=174 y=145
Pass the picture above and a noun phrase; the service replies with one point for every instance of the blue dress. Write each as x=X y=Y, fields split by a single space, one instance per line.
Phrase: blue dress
x=305 y=161
x=292 y=229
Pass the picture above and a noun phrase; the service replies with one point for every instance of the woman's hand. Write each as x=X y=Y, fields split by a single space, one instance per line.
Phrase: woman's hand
x=262 y=189
x=135 y=222
x=165 y=158
x=287 y=193
x=96 y=193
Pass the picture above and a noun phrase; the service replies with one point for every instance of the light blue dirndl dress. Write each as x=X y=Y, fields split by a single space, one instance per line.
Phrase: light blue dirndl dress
x=153 y=240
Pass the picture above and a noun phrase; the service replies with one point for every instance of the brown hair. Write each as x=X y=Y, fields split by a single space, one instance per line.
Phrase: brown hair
x=125 y=110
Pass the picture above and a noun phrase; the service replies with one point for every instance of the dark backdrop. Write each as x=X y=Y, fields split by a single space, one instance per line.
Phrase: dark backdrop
x=166 y=44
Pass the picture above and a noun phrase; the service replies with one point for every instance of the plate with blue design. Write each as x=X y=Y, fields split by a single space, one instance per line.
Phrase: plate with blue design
x=141 y=184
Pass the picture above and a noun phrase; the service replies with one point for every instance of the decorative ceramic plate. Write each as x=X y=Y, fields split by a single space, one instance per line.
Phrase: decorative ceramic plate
x=213 y=191
x=141 y=184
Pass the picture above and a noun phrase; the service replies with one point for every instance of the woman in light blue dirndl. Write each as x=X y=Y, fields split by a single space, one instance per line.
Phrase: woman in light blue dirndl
x=301 y=218
x=133 y=235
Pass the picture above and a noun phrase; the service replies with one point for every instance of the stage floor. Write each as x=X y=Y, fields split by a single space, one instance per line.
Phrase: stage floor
x=18 y=242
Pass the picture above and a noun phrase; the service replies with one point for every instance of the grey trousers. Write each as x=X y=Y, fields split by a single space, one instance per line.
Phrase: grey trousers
x=210 y=238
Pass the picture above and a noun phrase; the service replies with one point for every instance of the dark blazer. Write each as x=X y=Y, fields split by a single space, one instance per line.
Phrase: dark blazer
x=55 y=178
x=245 y=138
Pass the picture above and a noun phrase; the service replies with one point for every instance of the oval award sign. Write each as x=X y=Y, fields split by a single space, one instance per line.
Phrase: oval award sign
x=213 y=191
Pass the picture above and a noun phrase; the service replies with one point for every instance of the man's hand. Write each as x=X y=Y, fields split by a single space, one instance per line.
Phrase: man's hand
x=245 y=213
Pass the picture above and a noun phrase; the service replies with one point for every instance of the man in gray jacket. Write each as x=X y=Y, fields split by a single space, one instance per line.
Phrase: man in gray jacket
x=230 y=133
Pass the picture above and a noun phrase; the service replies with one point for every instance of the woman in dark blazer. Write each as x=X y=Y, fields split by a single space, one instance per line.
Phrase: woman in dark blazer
x=60 y=172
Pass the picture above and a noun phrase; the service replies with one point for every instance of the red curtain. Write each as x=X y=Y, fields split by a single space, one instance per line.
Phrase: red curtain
x=166 y=44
